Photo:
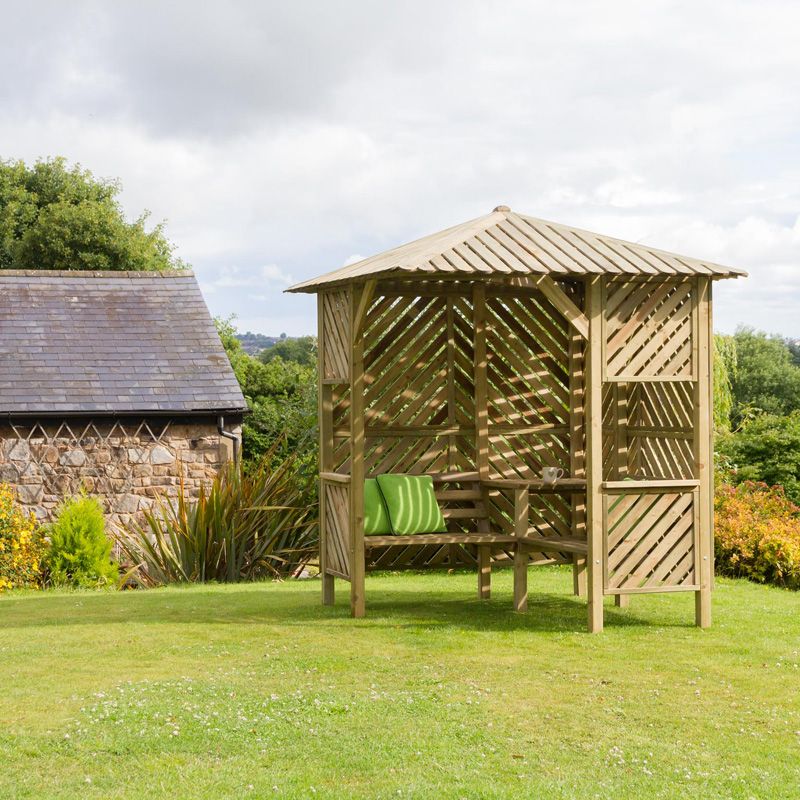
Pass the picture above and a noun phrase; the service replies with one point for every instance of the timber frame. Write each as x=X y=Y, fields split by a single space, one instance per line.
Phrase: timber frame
x=483 y=377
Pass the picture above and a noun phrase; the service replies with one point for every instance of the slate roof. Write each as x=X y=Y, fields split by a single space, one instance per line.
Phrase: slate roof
x=505 y=243
x=110 y=342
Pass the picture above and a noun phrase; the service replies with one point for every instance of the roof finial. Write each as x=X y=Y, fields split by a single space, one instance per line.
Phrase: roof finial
x=502 y=208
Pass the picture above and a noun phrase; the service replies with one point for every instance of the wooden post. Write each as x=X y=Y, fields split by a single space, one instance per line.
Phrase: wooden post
x=357 y=563
x=620 y=451
x=452 y=450
x=481 y=424
x=577 y=455
x=703 y=454
x=325 y=416
x=593 y=405
x=521 y=508
x=481 y=382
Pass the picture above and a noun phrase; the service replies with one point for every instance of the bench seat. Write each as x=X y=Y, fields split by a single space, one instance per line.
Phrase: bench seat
x=556 y=544
x=422 y=539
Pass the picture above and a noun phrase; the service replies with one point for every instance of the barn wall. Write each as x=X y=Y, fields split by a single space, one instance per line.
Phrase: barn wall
x=126 y=463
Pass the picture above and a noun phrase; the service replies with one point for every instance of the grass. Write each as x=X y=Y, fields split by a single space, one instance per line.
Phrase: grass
x=258 y=691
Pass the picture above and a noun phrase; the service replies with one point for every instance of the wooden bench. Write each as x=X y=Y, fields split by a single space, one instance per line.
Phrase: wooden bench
x=470 y=499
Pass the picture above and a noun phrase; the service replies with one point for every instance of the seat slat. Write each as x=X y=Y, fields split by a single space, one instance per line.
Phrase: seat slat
x=556 y=544
x=463 y=513
x=423 y=539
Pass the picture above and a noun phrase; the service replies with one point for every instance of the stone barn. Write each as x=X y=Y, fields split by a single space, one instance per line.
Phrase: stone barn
x=111 y=382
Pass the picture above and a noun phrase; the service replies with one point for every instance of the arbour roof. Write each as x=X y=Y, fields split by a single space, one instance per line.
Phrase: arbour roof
x=506 y=243
x=75 y=342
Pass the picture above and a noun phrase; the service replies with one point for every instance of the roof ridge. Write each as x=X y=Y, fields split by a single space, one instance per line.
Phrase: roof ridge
x=96 y=273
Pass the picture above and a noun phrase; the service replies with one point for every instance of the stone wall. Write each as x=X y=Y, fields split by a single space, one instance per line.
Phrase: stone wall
x=126 y=462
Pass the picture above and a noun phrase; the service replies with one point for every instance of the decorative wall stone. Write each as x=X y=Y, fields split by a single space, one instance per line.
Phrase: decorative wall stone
x=126 y=464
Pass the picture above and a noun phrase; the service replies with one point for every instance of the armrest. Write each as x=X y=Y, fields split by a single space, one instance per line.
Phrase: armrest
x=334 y=477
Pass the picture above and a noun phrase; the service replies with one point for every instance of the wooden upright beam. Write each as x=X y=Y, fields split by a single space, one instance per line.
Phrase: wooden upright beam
x=357 y=564
x=593 y=412
x=577 y=456
x=452 y=417
x=325 y=411
x=481 y=382
x=703 y=453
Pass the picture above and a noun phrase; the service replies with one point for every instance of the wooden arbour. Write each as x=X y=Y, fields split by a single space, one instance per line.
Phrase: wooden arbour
x=485 y=353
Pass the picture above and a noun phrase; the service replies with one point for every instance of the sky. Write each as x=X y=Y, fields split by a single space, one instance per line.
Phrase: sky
x=280 y=140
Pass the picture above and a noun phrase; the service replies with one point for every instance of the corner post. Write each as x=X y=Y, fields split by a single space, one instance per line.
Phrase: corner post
x=593 y=400
x=577 y=455
x=703 y=450
x=481 y=424
x=357 y=564
x=325 y=416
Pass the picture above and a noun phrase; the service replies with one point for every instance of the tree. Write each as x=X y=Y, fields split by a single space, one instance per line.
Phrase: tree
x=725 y=365
x=766 y=378
x=302 y=350
x=53 y=216
x=282 y=397
x=767 y=449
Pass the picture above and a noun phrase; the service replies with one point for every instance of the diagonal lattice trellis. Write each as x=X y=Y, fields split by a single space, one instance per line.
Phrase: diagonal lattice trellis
x=649 y=329
x=337 y=512
x=417 y=418
x=40 y=435
x=650 y=541
x=336 y=327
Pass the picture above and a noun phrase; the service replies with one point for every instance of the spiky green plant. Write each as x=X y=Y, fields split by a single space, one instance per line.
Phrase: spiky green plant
x=244 y=526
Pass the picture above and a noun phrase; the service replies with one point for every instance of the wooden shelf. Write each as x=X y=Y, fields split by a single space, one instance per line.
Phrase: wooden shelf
x=537 y=485
x=637 y=487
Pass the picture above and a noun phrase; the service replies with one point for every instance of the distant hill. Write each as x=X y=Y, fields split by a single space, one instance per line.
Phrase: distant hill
x=254 y=343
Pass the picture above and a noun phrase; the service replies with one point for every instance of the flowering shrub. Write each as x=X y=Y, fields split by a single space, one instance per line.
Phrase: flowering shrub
x=757 y=534
x=21 y=544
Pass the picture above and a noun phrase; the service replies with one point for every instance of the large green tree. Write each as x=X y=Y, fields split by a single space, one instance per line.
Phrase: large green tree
x=766 y=378
x=56 y=216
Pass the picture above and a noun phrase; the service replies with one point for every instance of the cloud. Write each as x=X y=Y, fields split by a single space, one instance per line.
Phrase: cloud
x=299 y=134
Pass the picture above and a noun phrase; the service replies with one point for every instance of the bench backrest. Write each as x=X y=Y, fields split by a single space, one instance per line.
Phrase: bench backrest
x=462 y=501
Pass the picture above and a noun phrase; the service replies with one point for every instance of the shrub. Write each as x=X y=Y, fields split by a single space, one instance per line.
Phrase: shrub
x=80 y=551
x=245 y=526
x=757 y=534
x=21 y=544
x=767 y=448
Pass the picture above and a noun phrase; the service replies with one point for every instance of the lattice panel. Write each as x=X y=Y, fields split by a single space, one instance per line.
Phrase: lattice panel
x=650 y=541
x=405 y=362
x=666 y=406
x=527 y=362
x=649 y=329
x=446 y=556
x=523 y=455
x=335 y=335
x=661 y=429
x=406 y=454
x=463 y=355
x=337 y=529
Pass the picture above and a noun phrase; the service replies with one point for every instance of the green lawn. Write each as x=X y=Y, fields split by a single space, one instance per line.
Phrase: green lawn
x=258 y=691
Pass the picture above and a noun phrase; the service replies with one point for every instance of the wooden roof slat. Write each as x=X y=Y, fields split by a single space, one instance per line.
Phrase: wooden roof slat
x=504 y=242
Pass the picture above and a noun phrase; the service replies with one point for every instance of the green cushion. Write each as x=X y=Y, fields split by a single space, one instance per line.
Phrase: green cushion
x=376 y=518
x=412 y=504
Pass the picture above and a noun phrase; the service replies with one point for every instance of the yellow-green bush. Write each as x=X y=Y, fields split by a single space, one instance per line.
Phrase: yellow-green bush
x=757 y=534
x=21 y=544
